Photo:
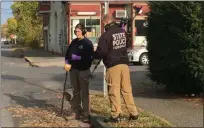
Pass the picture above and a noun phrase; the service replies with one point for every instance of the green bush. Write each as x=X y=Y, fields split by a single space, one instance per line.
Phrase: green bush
x=176 y=45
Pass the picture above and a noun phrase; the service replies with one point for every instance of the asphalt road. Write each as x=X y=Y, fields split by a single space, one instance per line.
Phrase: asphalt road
x=25 y=85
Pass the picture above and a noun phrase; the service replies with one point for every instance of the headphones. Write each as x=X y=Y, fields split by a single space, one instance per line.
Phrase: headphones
x=123 y=22
x=82 y=28
x=107 y=26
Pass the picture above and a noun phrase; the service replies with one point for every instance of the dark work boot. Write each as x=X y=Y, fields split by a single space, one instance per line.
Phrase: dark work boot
x=77 y=116
x=74 y=115
x=87 y=119
x=133 y=117
x=113 y=120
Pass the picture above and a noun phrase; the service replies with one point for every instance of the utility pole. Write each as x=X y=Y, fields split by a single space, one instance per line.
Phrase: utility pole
x=106 y=8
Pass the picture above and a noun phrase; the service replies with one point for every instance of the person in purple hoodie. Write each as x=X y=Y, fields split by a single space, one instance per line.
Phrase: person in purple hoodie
x=78 y=60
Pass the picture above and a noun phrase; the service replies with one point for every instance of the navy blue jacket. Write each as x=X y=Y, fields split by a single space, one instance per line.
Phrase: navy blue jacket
x=112 y=47
x=84 y=49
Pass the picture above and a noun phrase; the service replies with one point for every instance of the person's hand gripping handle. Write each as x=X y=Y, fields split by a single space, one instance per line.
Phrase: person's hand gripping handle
x=67 y=66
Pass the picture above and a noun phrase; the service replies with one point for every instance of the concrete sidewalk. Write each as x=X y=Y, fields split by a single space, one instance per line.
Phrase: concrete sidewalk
x=41 y=58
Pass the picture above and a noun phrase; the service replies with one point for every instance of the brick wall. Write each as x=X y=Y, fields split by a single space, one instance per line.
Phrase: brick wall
x=44 y=6
x=85 y=8
x=113 y=8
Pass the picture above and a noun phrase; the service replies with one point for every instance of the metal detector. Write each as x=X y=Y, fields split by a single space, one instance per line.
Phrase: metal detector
x=68 y=96
x=92 y=75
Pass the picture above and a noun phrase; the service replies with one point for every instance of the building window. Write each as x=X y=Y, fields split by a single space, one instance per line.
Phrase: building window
x=92 y=26
x=141 y=27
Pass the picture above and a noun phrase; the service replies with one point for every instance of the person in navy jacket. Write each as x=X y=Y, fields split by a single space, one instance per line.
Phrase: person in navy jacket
x=78 y=60
x=112 y=48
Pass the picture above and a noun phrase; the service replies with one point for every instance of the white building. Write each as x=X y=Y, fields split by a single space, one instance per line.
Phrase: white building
x=57 y=28
x=54 y=25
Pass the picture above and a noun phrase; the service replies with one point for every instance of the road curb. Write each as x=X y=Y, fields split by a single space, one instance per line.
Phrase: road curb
x=96 y=121
x=29 y=60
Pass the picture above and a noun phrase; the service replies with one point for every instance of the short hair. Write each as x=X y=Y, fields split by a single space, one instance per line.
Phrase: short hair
x=107 y=17
x=80 y=26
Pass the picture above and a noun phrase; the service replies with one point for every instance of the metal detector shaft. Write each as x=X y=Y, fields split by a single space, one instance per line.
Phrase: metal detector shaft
x=96 y=66
x=91 y=75
x=63 y=93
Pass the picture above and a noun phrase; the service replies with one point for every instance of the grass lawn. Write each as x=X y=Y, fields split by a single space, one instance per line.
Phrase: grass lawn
x=101 y=107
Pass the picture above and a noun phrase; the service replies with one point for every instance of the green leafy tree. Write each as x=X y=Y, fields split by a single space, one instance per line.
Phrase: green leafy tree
x=29 y=24
x=176 y=43
x=12 y=26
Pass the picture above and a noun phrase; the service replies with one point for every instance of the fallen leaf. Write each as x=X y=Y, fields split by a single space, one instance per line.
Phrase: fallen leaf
x=42 y=117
